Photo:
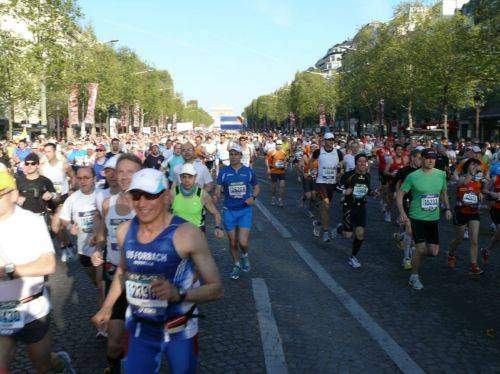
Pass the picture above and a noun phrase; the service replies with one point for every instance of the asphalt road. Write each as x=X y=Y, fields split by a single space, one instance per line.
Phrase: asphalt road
x=303 y=309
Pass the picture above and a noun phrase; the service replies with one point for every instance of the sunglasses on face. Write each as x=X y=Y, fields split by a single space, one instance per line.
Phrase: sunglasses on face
x=30 y=163
x=136 y=195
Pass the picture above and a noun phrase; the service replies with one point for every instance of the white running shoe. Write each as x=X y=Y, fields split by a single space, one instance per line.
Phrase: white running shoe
x=387 y=216
x=316 y=228
x=326 y=236
x=64 y=254
x=353 y=261
x=466 y=234
x=273 y=200
x=415 y=283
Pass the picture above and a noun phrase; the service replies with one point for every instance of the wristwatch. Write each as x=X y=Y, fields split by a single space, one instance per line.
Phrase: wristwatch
x=182 y=294
x=9 y=270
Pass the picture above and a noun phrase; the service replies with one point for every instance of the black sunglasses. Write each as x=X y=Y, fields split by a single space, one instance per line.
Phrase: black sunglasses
x=31 y=163
x=137 y=194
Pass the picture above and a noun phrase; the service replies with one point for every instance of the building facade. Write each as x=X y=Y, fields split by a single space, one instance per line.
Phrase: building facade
x=332 y=61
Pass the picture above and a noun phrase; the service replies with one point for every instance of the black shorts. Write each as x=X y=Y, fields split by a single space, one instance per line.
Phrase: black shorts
x=275 y=177
x=461 y=219
x=495 y=216
x=326 y=190
x=85 y=261
x=353 y=216
x=120 y=306
x=307 y=184
x=34 y=331
x=382 y=178
x=425 y=231
x=209 y=164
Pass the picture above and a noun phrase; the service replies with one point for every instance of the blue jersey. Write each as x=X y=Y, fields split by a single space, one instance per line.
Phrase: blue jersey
x=147 y=262
x=495 y=169
x=238 y=186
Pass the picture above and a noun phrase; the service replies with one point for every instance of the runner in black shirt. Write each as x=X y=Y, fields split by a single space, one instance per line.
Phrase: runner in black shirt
x=154 y=159
x=35 y=190
x=355 y=186
x=404 y=237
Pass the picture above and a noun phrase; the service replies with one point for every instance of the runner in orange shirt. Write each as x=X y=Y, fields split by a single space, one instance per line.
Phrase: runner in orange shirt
x=276 y=162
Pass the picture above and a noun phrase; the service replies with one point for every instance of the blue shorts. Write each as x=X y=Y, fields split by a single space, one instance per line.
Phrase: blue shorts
x=147 y=346
x=232 y=218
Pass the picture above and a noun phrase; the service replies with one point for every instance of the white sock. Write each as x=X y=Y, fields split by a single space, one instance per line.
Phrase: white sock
x=237 y=263
x=245 y=255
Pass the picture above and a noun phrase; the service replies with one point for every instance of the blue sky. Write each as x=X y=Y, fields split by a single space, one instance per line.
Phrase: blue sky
x=229 y=52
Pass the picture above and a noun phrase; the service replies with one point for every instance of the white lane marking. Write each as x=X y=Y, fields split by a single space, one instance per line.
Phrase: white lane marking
x=277 y=225
x=396 y=353
x=269 y=334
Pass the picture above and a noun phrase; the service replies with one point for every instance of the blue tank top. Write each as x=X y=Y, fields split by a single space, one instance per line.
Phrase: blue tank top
x=159 y=258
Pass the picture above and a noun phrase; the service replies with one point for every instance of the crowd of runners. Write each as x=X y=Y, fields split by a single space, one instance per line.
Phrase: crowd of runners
x=133 y=211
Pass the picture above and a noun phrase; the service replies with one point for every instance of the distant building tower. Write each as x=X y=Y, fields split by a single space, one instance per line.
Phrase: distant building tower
x=450 y=6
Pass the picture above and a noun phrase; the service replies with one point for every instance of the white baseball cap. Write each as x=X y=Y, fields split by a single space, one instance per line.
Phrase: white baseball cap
x=476 y=149
x=148 y=180
x=236 y=148
x=329 y=135
x=279 y=142
x=188 y=169
x=111 y=163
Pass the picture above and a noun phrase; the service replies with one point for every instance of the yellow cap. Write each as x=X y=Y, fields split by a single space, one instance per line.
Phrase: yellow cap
x=7 y=181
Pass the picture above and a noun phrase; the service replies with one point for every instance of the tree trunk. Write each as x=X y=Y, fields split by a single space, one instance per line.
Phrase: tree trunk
x=445 y=113
x=477 y=128
x=43 y=103
x=410 y=114
x=11 y=119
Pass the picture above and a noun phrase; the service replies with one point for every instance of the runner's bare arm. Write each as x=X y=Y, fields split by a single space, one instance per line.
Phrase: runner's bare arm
x=43 y=265
x=191 y=242
x=208 y=203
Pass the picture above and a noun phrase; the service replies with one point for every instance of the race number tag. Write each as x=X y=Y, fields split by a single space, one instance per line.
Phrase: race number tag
x=237 y=190
x=360 y=190
x=139 y=292
x=86 y=221
x=279 y=164
x=429 y=202
x=470 y=198
x=329 y=173
x=11 y=316
x=114 y=223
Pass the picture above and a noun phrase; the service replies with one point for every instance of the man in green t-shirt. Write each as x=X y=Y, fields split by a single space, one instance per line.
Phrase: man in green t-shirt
x=428 y=188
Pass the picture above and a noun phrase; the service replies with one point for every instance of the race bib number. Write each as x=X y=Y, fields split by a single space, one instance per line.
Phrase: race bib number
x=360 y=190
x=86 y=221
x=139 y=292
x=329 y=173
x=11 y=316
x=470 y=198
x=429 y=202
x=114 y=223
x=279 y=164
x=237 y=190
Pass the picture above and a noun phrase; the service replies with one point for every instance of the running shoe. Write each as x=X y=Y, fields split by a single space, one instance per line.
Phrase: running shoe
x=399 y=240
x=475 y=269
x=407 y=264
x=280 y=203
x=353 y=261
x=387 y=216
x=245 y=264
x=486 y=256
x=273 y=200
x=452 y=260
x=299 y=180
x=316 y=228
x=101 y=334
x=326 y=236
x=466 y=234
x=493 y=227
x=415 y=283
x=235 y=274
x=66 y=361
x=64 y=254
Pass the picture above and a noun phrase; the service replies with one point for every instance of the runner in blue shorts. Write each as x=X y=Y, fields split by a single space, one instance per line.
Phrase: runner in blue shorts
x=240 y=187
x=161 y=257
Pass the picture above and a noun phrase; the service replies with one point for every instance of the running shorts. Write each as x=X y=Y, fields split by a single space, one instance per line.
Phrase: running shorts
x=461 y=219
x=275 y=177
x=232 y=218
x=209 y=165
x=146 y=347
x=34 y=331
x=326 y=190
x=353 y=216
x=120 y=306
x=425 y=231
x=495 y=216
x=85 y=261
